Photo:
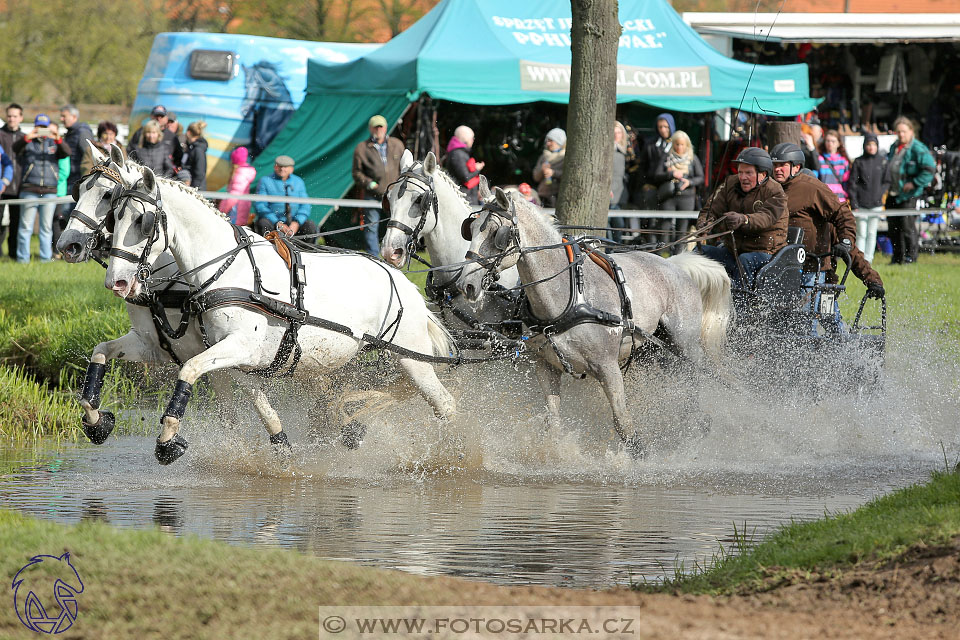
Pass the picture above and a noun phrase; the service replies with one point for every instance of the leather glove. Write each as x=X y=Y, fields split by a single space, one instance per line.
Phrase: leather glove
x=735 y=220
x=842 y=250
x=875 y=290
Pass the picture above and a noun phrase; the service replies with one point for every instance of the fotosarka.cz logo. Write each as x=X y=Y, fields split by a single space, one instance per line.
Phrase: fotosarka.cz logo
x=45 y=594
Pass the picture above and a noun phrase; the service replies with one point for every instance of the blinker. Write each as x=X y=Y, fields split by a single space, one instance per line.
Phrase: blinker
x=465 y=232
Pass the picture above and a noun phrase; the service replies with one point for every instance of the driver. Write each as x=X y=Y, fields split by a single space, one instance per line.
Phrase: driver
x=815 y=209
x=755 y=209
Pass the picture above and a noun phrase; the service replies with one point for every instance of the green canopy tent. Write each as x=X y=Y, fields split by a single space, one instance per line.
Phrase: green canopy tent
x=494 y=52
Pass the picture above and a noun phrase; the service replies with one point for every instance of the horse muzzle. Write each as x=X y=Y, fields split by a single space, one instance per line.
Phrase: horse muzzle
x=74 y=245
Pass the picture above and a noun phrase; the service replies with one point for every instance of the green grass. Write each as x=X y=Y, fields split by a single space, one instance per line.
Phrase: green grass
x=883 y=529
x=30 y=410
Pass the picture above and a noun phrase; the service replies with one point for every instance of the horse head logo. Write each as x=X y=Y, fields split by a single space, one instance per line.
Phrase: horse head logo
x=40 y=577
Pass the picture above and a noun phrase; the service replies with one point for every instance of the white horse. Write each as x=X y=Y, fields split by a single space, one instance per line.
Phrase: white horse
x=353 y=294
x=589 y=323
x=426 y=203
x=87 y=235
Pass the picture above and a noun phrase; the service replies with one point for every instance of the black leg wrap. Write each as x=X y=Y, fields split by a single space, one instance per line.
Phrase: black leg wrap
x=179 y=400
x=280 y=441
x=93 y=383
x=167 y=452
x=97 y=433
x=351 y=435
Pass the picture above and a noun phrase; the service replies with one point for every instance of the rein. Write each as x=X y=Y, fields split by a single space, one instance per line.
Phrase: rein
x=427 y=201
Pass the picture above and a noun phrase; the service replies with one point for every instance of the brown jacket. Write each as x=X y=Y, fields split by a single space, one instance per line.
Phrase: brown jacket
x=368 y=166
x=815 y=209
x=860 y=267
x=765 y=207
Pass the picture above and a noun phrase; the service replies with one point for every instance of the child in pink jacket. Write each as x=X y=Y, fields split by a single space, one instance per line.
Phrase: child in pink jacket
x=243 y=176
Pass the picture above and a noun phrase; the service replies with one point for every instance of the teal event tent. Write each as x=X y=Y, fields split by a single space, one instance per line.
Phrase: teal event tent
x=494 y=52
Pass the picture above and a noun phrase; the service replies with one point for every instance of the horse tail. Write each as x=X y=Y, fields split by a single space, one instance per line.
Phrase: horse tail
x=440 y=338
x=714 y=285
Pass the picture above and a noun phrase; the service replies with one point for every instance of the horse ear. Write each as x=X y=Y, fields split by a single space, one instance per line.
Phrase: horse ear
x=95 y=154
x=430 y=164
x=149 y=179
x=406 y=161
x=503 y=200
x=116 y=154
x=483 y=190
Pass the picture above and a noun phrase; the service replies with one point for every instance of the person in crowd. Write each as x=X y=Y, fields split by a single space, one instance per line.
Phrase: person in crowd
x=180 y=142
x=288 y=218
x=376 y=163
x=39 y=153
x=459 y=164
x=811 y=135
x=548 y=171
x=151 y=152
x=754 y=208
x=75 y=134
x=678 y=176
x=618 y=180
x=6 y=171
x=868 y=187
x=529 y=194
x=911 y=168
x=61 y=214
x=827 y=222
x=651 y=158
x=240 y=180
x=834 y=164
x=10 y=213
x=169 y=139
x=106 y=135
x=195 y=156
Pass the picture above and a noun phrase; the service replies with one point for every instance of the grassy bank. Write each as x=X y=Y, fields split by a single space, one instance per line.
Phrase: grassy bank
x=922 y=515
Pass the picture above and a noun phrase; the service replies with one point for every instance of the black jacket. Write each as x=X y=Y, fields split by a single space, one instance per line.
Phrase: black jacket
x=195 y=161
x=154 y=156
x=456 y=164
x=76 y=138
x=168 y=139
x=868 y=181
x=40 y=159
x=7 y=139
x=651 y=157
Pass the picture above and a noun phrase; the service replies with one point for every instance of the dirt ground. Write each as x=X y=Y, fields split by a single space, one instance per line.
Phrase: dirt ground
x=916 y=597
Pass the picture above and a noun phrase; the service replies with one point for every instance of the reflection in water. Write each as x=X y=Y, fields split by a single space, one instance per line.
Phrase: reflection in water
x=490 y=496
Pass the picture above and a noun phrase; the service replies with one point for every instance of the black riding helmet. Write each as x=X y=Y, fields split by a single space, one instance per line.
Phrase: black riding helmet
x=757 y=157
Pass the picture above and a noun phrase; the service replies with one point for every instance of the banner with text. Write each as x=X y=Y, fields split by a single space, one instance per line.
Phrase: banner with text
x=638 y=81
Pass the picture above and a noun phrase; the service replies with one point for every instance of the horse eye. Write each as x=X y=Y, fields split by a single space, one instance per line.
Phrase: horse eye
x=106 y=196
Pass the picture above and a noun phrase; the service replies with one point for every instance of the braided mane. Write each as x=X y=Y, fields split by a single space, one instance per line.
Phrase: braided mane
x=133 y=165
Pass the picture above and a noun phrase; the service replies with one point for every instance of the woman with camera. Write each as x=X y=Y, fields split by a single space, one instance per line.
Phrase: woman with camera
x=677 y=177
x=39 y=153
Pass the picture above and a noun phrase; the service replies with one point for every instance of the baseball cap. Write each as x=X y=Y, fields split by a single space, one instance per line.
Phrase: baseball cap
x=41 y=120
x=159 y=110
x=284 y=161
x=378 y=121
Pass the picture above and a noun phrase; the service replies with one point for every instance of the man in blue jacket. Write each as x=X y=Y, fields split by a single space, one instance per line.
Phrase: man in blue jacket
x=289 y=218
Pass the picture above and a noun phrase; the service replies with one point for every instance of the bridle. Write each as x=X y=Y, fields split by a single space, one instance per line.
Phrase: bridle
x=151 y=224
x=97 y=237
x=506 y=239
x=425 y=202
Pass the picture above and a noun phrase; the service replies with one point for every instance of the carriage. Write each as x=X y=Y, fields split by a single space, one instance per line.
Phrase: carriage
x=793 y=333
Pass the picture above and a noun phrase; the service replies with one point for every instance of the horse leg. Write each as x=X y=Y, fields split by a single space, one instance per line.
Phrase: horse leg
x=611 y=380
x=97 y=424
x=228 y=353
x=268 y=415
x=549 y=378
x=423 y=376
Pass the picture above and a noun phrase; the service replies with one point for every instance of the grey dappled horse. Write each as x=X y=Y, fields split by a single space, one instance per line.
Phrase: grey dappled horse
x=687 y=297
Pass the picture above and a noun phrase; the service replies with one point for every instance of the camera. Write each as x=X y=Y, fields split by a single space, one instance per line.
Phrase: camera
x=43 y=132
x=677 y=190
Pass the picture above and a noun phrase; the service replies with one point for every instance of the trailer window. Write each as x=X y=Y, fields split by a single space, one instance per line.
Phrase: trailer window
x=206 y=64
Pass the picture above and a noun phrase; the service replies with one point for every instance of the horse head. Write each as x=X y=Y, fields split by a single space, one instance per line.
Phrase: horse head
x=89 y=224
x=139 y=223
x=494 y=237
x=409 y=202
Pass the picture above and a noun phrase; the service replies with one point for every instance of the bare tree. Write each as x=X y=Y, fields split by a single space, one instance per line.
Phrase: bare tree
x=585 y=189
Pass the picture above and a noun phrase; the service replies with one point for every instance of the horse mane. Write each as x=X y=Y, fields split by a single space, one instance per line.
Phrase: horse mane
x=452 y=184
x=133 y=165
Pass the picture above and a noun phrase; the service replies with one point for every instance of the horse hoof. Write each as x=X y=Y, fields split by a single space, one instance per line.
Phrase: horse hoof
x=351 y=435
x=281 y=444
x=98 y=433
x=634 y=446
x=167 y=452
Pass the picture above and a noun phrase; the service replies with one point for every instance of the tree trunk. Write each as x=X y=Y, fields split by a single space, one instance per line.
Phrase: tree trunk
x=782 y=131
x=584 y=196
